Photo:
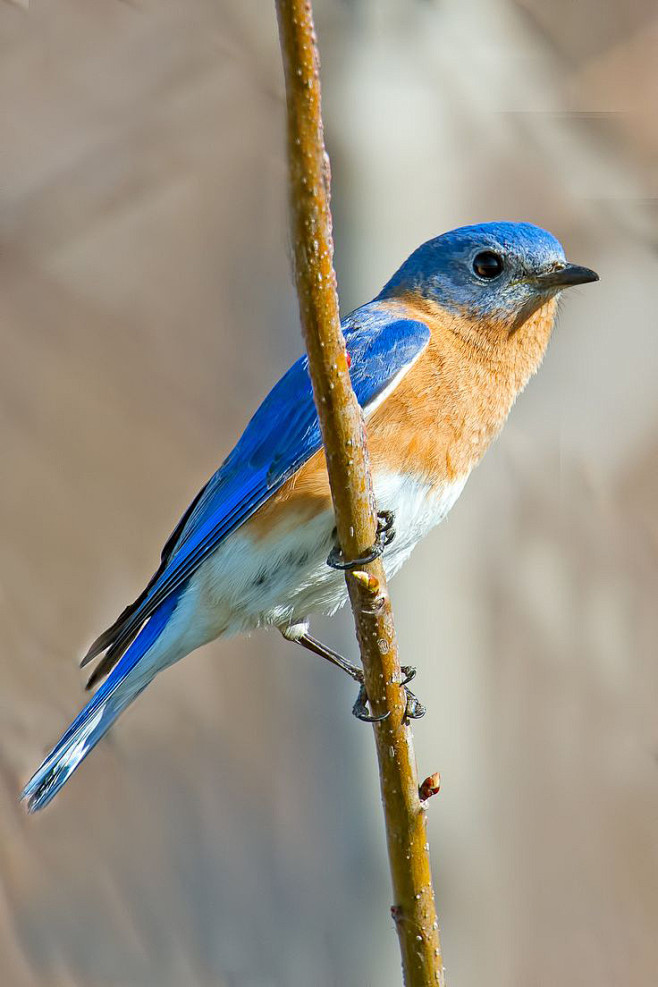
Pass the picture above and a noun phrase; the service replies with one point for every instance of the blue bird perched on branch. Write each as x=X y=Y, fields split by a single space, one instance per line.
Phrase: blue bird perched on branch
x=436 y=360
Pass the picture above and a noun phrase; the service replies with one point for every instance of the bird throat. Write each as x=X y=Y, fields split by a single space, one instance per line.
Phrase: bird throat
x=469 y=376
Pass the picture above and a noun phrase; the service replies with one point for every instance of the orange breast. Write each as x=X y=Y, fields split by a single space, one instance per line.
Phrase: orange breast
x=440 y=419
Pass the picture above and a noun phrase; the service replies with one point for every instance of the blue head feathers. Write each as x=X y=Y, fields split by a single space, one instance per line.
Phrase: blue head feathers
x=489 y=270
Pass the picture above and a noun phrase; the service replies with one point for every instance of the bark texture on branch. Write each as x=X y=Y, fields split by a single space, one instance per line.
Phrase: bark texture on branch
x=343 y=435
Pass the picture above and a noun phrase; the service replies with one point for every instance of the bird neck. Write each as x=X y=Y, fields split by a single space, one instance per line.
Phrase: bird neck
x=469 y=380
x=509 y=350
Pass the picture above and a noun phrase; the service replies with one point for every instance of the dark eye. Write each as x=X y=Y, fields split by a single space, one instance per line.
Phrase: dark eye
x=488 y=265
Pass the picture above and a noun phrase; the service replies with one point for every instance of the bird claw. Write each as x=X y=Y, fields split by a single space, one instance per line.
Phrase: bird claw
x=385 y=535
x=385 y=527
x=413 y=709
x=360 y=709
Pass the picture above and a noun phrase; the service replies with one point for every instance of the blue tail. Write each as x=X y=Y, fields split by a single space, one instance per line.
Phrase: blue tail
x=114 y=695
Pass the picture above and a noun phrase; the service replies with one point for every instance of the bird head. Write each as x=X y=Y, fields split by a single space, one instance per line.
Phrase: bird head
x=493 y=275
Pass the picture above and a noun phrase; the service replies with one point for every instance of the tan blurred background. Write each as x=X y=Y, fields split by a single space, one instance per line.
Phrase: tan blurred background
x=146 y=306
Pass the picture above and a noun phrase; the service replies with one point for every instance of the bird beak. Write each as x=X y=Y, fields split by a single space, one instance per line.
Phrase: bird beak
x=565 y=277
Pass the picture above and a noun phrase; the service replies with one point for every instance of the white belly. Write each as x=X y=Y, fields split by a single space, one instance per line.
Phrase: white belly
x=284 y=580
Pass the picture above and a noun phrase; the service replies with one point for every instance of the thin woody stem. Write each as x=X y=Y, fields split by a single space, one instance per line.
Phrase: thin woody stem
x=344 y=440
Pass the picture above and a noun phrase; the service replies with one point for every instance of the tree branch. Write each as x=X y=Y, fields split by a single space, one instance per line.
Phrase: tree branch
x=343 y=435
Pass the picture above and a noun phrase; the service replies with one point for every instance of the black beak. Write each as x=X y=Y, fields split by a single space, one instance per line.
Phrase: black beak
x=565 y=277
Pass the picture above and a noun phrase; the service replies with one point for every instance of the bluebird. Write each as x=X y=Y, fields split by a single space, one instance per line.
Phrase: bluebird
x=436 y=360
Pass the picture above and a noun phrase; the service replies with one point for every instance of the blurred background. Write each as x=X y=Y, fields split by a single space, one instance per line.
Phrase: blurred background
x=146 y=305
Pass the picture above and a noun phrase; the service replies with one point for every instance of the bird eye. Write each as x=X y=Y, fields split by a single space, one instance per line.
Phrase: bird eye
x=488 y=265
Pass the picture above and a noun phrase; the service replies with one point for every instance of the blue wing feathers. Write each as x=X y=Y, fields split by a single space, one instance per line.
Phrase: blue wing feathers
x=283 y=434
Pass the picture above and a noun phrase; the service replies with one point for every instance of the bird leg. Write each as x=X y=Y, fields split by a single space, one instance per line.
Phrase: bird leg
x=385 y=535
x=414 y=708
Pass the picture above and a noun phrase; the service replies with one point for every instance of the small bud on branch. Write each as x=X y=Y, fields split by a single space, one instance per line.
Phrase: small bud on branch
x=431 y=786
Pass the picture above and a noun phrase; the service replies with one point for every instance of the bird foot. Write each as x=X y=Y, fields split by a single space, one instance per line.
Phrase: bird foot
x=385 y=535
x=414 y=709
x=360 y=709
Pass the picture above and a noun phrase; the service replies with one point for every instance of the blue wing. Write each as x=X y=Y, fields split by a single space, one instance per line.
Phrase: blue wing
x=283 y=434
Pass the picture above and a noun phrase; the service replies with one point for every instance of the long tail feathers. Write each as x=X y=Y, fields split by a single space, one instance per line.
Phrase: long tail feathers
x=123 y=686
